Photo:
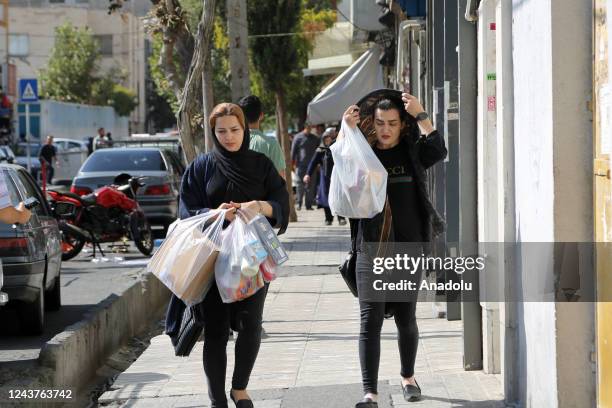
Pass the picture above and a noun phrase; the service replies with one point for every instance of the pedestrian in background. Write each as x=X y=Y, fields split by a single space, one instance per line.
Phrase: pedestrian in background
x=269 y=146
x=48 y=156
x=303 y=149
x=232 y=177
x=325 y=162
x=393 y=123
x=101 y=140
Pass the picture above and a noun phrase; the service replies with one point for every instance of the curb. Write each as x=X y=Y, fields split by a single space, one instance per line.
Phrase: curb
x=75 y=354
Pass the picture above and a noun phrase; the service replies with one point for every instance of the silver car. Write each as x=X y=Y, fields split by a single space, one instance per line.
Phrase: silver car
x=162 y=169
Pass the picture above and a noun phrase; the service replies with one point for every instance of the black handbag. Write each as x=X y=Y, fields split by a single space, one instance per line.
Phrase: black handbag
x=189 y=332
x=348 y=267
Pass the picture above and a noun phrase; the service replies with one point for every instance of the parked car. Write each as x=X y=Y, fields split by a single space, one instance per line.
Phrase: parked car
x=71 y=155
x=161 y=168
x=21 y=157
x=7 y=154
x=3 y=296
x=31 y=254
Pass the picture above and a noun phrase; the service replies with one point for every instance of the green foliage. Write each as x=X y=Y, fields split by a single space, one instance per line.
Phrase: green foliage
x=274 y=57
x=71 y=73
x=162 y=85
x=315 y=16
x=124 y=100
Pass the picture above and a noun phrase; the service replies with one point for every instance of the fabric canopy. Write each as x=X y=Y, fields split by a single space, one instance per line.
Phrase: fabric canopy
x=365 y=75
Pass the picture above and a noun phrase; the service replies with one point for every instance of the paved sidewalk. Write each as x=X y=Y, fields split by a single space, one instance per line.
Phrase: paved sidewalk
x=310 y=357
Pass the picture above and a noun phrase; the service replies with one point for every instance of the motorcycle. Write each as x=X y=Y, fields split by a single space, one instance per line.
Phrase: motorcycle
x=109 y=214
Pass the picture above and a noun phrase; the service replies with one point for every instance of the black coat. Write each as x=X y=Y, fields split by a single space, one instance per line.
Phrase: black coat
x=194 y=200
x=424 y=152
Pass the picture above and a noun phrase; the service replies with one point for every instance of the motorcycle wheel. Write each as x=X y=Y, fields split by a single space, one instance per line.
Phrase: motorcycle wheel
x=71 y=246
x=142 y=235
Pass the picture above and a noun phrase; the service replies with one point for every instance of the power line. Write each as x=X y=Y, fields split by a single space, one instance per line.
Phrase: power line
x=349 y=20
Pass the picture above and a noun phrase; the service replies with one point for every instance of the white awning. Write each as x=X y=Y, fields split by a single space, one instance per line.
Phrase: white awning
x=365 y=75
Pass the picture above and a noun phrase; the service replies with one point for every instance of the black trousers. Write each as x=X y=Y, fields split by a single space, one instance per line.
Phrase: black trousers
x=244 y=317
x=329 y=216
x=372 y=315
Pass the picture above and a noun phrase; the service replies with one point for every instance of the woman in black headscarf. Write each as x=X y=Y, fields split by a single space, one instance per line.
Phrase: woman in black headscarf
x=406 y=143
x=232 y=177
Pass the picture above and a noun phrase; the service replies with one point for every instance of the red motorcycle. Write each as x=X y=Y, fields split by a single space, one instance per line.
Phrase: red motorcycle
x=109 y=214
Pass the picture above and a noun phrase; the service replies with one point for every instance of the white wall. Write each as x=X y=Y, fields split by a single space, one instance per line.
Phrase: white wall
x=553 y=183
x=533 y=137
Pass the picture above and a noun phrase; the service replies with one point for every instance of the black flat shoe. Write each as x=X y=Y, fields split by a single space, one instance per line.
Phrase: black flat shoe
x=412 y=392
x=243 y=403
x=367 y=403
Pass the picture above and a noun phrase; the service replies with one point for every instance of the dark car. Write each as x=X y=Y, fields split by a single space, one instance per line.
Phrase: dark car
x=21 y=157
x=31 y=254
x=162 y=169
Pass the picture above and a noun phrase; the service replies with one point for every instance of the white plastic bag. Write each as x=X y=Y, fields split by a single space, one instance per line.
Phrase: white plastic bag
x=237 y=271
x=359 y=180
x=185 y=261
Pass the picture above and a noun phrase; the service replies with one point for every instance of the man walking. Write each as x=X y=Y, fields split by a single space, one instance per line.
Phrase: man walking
x=302 y=150
x=269 y=146
x=47 y=156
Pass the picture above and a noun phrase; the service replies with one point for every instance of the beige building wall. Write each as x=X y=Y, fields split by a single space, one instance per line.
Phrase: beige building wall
x=128 y=44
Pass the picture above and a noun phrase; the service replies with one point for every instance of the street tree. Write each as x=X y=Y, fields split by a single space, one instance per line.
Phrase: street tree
x=73 y=74
x=274 y=56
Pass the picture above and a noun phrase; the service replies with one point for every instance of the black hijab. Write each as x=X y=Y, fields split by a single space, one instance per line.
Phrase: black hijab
x=242 y=168
x=246 y=172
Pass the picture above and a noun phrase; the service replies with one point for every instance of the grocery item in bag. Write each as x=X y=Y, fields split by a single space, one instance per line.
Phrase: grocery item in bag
x=185 y=261
x=358 y=186
x=269 y=239
x=237 y=269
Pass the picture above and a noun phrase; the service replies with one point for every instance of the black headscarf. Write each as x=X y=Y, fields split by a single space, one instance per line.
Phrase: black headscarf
x=246 y=172
x=242 y=168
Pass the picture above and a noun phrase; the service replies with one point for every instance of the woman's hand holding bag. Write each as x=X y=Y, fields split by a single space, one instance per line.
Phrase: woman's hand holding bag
x=359 y=180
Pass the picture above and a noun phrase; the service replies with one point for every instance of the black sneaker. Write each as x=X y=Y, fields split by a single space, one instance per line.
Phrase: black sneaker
x=328 y=222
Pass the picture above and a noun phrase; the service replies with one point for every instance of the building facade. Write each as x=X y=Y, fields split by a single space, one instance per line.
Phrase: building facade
x=121 y=37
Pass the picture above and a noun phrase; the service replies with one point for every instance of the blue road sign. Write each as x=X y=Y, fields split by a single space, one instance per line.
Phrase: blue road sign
x=28 y=90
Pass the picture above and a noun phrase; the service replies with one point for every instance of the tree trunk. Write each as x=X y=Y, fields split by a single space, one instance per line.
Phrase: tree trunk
x=283 y=137
x=190 y=119
x=237 y=33
x=208 y=103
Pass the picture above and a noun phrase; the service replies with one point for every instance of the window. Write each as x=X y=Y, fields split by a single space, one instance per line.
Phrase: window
x=124 y=161
x=106 y=44
x=15 y=199
x=19 y=45
x=33 y=191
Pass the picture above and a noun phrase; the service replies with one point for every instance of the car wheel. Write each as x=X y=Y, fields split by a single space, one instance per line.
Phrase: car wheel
x=32 y=315
x=53 y=298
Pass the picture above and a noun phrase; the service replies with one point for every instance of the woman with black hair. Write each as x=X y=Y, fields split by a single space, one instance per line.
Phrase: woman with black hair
x=404 y=140
x=231 y=177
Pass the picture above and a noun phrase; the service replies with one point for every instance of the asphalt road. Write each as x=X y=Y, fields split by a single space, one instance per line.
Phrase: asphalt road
x=84 y=285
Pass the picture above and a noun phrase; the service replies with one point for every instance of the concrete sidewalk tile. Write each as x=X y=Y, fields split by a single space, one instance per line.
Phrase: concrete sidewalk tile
x=310 y=356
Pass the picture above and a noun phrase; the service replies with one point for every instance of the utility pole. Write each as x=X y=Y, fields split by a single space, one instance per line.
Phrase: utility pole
x=237 y=32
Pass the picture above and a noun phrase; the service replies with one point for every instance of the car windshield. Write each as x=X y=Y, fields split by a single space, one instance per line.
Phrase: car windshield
x=124 y=160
